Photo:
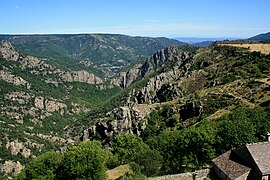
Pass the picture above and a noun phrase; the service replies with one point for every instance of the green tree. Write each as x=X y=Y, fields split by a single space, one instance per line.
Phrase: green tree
x=130 y=148
x=150 y=161
x=236 y=130
x=165 y=143
x=86 y=161
x=126 y=146
x=197 y=146
x=260 y=119
x=44 y=167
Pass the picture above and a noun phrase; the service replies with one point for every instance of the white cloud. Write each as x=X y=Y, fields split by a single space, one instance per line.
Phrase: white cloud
x=17 y=7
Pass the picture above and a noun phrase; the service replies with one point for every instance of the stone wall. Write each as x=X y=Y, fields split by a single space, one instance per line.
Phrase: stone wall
x=197 y=175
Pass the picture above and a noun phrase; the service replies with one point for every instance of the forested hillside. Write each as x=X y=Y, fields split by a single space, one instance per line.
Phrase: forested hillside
x=102 y=53
x=176 y=111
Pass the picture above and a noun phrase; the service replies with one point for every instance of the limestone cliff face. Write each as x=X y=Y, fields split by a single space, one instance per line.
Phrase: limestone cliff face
x=121 y=120
x=166 y=75
x=38 y=66
x=174 y=67
x=125 y=79
x=81 y=76
x=157 y=62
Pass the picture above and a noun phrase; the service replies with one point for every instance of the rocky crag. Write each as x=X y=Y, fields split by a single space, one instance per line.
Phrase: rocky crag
x=165 y=75
x=194 y=83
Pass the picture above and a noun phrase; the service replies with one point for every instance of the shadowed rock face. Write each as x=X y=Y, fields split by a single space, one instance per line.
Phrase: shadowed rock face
x=125 y=120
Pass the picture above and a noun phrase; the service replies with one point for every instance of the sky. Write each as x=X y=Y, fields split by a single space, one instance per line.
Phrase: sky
x=167 y=18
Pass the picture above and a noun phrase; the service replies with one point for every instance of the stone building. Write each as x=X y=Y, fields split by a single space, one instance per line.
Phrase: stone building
x=250 y=162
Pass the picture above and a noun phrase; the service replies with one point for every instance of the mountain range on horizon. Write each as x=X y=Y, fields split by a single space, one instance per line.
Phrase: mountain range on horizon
x=194 y=40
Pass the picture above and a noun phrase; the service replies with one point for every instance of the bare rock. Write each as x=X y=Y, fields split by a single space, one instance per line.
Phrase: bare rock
x=11 y=78
x=125 y=120
x=11 y=167
x=8 y=52
x=81 y=76
x=52 y=106
x=17 y=147
x=126 y=78
x=39 y=102
x=20 y=97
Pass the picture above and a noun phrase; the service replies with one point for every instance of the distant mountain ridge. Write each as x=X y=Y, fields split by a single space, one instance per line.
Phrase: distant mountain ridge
x=203 y=43
x=194 y=40
x=263 y=36
x=111 y=51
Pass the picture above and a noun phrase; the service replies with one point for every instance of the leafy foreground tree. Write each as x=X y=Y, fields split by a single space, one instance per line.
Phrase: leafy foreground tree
x=131 y=148
x=88 y=160
x=44 y=167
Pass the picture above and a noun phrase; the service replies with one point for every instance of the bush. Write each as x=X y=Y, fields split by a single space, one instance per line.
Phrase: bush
x=44 y=167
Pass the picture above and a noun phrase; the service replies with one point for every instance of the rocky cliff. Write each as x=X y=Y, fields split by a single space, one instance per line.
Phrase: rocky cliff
x=163 y=60
x=38 y=66
x=195 y=83
x=166 y=75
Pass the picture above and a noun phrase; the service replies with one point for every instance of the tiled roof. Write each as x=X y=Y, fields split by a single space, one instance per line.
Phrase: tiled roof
x=260 y=153
x=230 y=167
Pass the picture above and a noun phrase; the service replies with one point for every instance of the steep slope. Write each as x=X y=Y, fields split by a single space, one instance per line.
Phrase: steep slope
x=110 y=51
x=261 y=37
x=193 y=83
x=37 y=102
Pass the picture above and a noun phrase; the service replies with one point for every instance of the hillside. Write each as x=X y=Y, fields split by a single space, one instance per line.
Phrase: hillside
x=106 y=52
x=37 y=102
x=203 y=43
x=195 y=82
x=178 y=97
x=260 y=37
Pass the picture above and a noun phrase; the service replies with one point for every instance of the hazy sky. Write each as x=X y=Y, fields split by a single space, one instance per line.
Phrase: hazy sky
x=170 y=18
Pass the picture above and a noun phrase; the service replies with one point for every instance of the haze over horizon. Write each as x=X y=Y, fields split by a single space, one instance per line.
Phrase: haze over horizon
x=173 y=18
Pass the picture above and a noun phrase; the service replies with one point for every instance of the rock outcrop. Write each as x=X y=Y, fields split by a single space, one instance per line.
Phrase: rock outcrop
x=52 y=106
x=11 y=167
x=38 y=66
x=39 y=102
x=125 y=79
x=121 y=120
x=7 y=51
x=11 y=78
x=161 y=60
x=80 y=76
x=173 y=66
x=17 y=147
